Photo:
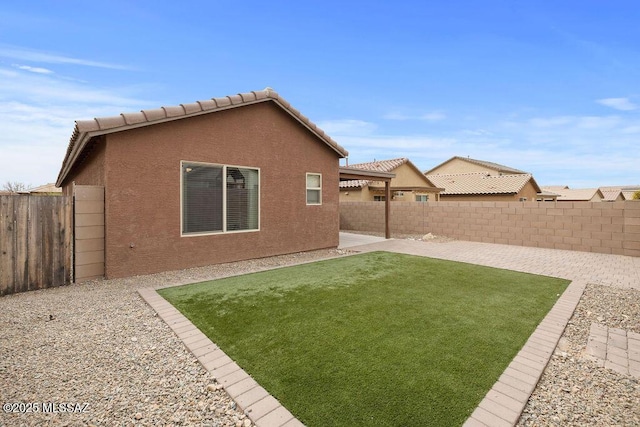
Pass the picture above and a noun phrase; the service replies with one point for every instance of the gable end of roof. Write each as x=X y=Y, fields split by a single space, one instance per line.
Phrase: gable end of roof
x=85 y=130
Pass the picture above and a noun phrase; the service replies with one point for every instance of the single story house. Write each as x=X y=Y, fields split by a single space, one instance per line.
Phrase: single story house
x=629 y=192
x=220 y=180
x=612 y=195
x=409 y=184
x=49 y=189
x=485 y=187
x=566 y=194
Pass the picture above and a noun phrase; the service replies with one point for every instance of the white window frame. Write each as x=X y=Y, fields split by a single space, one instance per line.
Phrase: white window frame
x=421 y=196
x=224 y=199
x=318 y=189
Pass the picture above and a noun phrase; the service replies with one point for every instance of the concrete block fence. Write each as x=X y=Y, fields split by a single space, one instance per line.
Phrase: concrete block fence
x=603 y=227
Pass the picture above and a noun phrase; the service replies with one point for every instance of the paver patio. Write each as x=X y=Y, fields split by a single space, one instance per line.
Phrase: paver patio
x=504 y=403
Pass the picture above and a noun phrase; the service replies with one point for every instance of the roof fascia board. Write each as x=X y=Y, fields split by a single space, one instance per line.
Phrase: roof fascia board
x=86 y=136
x=75 y=152
x=349 y=174
x=313 y=131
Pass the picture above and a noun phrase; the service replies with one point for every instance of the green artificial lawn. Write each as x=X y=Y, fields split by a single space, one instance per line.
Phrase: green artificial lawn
x=378 y=339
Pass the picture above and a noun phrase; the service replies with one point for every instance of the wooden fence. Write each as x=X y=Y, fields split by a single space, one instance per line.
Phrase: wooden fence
x=35 y=242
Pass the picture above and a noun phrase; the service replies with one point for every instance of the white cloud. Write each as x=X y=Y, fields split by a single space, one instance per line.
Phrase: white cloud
x=31 y=55
x=37 y=113
x=580 y=151
x=347 y=127
x=433 y=116
x=548 y=122
x=37 y=70
x=622 y=104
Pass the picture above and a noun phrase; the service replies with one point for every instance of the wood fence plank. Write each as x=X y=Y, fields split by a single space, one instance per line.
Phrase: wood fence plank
x=36 y=238
x=57 y=245
x=47 y=245
x=6 y=245
x=21 y=237
x=34 y=246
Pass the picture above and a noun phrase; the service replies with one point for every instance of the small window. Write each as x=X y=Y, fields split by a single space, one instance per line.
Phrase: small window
x=379 y=198
x=422 y=197
x=523 y=199
x=314 y=189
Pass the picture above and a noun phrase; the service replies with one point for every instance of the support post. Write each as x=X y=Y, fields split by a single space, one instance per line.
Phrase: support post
x=387 y=209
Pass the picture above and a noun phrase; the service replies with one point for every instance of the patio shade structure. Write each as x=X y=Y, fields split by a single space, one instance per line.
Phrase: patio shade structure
x=348 y=174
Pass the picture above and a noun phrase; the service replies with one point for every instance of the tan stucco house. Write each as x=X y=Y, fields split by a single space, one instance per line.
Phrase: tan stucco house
x=220 y=180
x=466 y=179
x=409 y=184
x=457 y=164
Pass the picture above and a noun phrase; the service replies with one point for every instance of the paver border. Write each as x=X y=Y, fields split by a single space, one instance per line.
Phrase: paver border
x=501 y=406
x=261 y=408
x=504 y=403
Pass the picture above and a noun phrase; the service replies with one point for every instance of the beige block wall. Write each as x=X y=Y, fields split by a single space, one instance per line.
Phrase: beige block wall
x=582 y=226
x=89 y=241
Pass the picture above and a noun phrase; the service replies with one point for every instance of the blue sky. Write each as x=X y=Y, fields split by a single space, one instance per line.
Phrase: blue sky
x=549 y=87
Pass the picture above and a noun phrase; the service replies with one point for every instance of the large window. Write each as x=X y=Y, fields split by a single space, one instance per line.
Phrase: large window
x=219 y=198
x=314 y=189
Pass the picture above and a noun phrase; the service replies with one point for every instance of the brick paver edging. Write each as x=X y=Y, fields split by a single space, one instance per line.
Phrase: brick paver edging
x=501 y=406
x=504 y=403
x=262 y=408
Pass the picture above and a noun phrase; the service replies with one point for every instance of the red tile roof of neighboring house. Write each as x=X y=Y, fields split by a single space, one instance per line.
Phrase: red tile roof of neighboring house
x=85 y=130
x=490 y=165
x=481 y=183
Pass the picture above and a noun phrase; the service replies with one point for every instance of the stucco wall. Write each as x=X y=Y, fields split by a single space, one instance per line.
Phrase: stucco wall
x=142 y=190
x=89 y=171
x=582 y=226
x=406 y=176
x=462 y=166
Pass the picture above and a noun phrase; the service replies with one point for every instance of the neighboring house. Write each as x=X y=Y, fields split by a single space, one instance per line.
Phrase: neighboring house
x=221 y=180
x=46 y=190
x=466 y=179
x=626 y=192
x=409 y=184
x=566 y=194
x=486 y=187
x=629 y=192
x=458 y=165
x=613 y=195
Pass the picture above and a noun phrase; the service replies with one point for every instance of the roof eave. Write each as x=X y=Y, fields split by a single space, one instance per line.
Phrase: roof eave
x=81 y=138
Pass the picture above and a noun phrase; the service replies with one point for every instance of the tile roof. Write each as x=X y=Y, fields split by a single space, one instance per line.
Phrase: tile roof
x=490 y=165
x=46 y=188
x=481 y=183
x=611 y=195
x=555 y=188
x=576 y=194
x=85 y=130
x=380 y=166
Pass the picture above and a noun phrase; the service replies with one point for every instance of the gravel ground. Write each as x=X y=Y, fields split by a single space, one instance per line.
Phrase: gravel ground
x=574 y=390
x=99 y=344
